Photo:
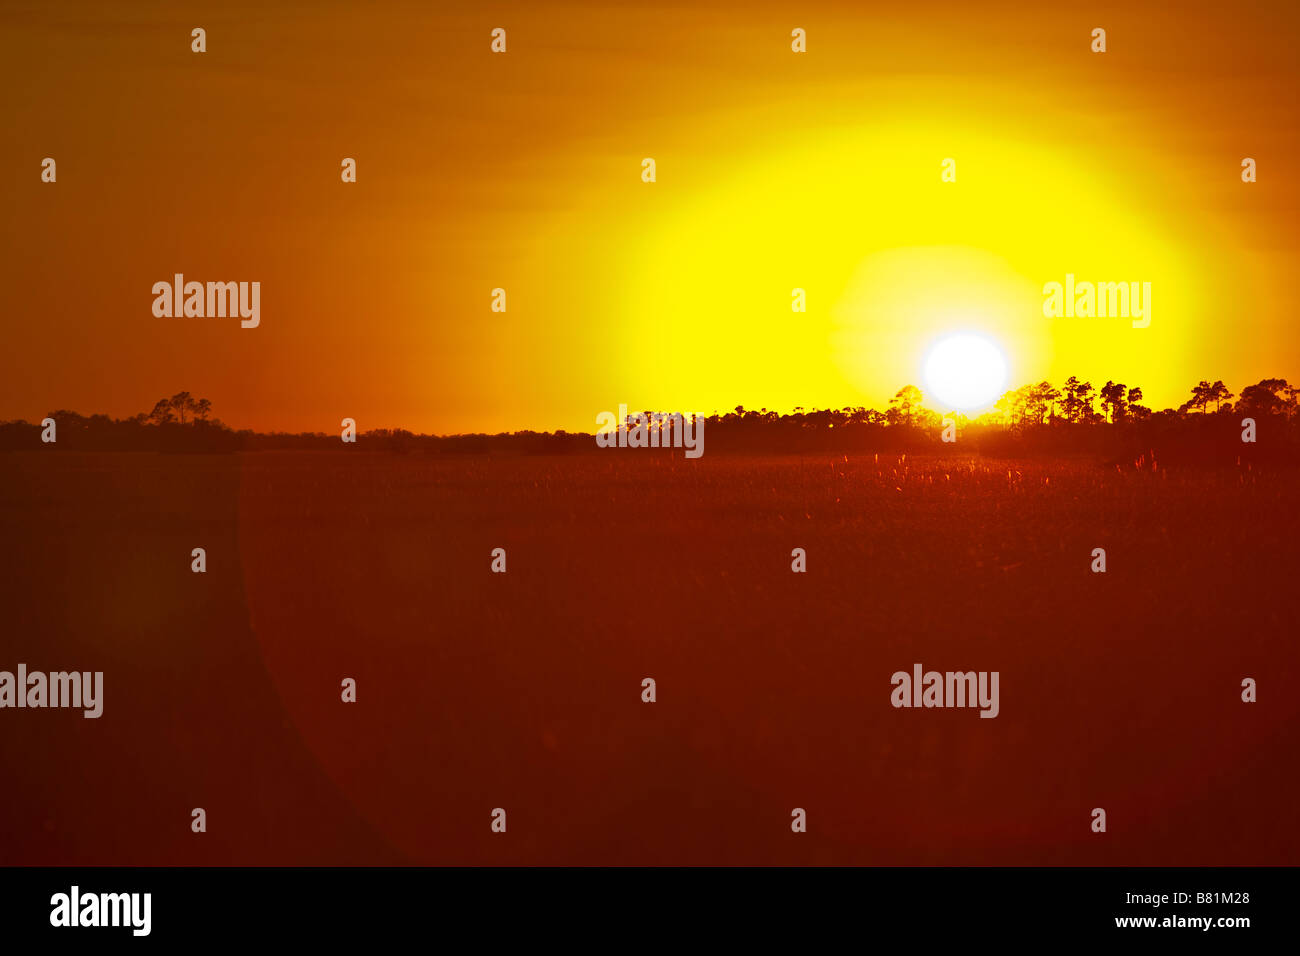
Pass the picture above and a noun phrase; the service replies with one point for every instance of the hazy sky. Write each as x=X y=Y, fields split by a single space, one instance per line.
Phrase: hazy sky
x=522 y=170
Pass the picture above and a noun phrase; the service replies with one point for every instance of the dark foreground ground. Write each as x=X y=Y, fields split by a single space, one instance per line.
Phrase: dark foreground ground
x=522 y=691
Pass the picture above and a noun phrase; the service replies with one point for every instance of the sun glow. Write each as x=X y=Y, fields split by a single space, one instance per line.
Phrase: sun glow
x=887 y=255
x=964 y=372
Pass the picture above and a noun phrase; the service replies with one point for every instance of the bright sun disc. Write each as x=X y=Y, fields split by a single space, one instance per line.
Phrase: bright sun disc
x=964 y=372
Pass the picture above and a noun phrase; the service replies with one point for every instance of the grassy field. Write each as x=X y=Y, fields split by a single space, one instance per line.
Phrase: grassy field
x=522 y=690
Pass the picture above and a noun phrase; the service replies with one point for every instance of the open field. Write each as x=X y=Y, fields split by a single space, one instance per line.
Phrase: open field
x=478 y=690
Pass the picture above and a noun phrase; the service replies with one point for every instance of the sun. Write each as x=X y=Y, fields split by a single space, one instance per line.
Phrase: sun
x=965 y=371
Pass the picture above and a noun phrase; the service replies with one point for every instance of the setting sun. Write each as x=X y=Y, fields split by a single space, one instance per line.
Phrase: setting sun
x=965 y=372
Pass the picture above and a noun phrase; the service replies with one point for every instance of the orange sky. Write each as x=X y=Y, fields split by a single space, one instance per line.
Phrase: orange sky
x=775 y=170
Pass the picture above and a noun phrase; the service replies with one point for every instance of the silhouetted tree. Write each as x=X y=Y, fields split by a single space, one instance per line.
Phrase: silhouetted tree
x=1218 y=394
x=1114 y=400
x=181 y=403
x=908 y=397
x=1272 y=396
x=1200 y=396
x=1046 y=396
x=162 y=412
x=1070 y=403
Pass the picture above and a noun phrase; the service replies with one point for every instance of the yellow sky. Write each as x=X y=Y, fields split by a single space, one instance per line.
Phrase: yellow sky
x=522 y=171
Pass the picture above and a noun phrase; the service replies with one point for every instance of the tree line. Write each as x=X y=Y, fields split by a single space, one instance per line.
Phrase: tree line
x=1074 y=417
x=1079 y=403
x=1074 y=403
